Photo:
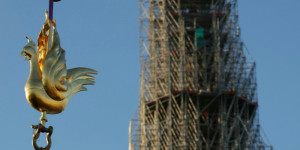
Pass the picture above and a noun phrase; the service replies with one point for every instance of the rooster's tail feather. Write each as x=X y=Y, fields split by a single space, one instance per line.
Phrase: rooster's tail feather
x=78 y=77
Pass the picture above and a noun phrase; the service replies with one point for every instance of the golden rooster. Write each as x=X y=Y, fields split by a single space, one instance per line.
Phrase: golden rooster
x=50 y=85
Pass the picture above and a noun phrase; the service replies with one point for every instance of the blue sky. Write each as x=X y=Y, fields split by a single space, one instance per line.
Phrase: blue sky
x=104 y=35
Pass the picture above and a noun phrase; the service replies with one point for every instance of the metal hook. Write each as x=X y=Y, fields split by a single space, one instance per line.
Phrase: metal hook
x=38 y=129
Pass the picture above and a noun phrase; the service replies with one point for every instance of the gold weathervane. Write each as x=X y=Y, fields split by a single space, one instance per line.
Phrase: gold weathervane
x=50 y=84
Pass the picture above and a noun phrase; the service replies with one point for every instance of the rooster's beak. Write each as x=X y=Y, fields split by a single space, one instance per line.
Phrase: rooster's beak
x=23 y=53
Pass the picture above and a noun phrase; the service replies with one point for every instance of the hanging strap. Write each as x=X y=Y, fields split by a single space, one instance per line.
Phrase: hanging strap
x=51 y=8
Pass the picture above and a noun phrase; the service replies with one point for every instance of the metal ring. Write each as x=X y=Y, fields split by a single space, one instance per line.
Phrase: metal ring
x=38 y=129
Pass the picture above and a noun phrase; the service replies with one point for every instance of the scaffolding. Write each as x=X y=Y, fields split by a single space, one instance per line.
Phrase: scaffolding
x=198 y=85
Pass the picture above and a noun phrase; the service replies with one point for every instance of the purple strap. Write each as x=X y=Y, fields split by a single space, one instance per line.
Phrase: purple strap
x=50 y=9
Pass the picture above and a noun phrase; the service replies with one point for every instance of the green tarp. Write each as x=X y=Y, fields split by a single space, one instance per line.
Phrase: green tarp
x=200 y=37
x=200 y=32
